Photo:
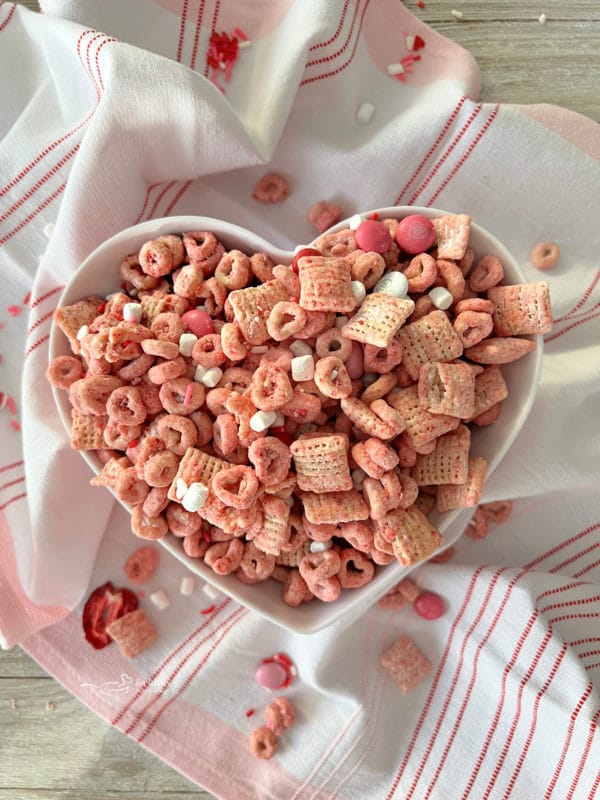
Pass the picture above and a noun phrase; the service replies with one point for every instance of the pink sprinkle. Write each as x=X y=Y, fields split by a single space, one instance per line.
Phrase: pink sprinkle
x=11 y=405
x=208 y=610
x=188 y=394
x=2 y=400
x=240 y=34
x=141 y=593
x=15 y=425
x=26 y=299
x=14 y=311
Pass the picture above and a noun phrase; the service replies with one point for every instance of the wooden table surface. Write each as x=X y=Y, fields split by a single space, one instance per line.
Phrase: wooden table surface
x=51 y=746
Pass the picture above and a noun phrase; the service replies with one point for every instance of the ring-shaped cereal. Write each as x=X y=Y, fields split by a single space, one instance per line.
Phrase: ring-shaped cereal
x=359 y=534
x=208 y=351
x=356 y=569
x=294 y=591
x=256 y=565
x=216 y=400
x=285 y=320
x=545 y=255
x=236 y=487
x=132 y=272
x=236 y=379
x=271 y=459
x=382 y=359
x=167 y=370
x=376 y=497
x=421 y=273
x=161 y=468
x=161 y=348
x=188 y=281
x=340 y=243
x=224 y=557
x=125 y=405
x=233 y=343
x=225 y=433
x=177 y=432
x=271 y=388
x=473 y=327
x=195 y=545
x=302 y=408
x=129 y=488
x=474 y=304
x=367 y=268
x=233 y=270
x=175 y=245
x=319 y=570
x=382 y=454
x=214 y=295
x=331 y=377
x=203 y=425
x=156 y=259
x=279 y=357
x=147 y=527
x=203 y=248
x=182 y=523
x=271 y=188
x=63 y=371
x=488 y=272
x=262 y=266
x=365 y=461
x=450 y=277
x=333 y=343
x=379 y=388
x=181 y=396
x=167 y=326
x=316 y=323
x=119 y=436
x=136 y=368
x=156 y=501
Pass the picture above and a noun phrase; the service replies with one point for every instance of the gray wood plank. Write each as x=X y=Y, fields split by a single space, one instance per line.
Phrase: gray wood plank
x=16 y=663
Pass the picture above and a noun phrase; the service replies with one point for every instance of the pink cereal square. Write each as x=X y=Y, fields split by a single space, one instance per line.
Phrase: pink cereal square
x=378 y=319
x=521 y=309
x=405 y=663
x=447 y=463
x=467 y=494
x=251 y=308
x=133 y=632
x=334 y=507
x=431 y=338
x=321 y=463
x=195 y=467
x=453 y=231
x=326 y=284
x=421 y=425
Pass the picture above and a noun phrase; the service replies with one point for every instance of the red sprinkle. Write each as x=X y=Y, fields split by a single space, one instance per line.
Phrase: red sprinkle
x=101 y=308
x=15 y=425
x=421 y=4
x=133 y=443
x=240 y=34
x=374 y=215
x=250 y=712
x=11 y=405
x=208 y=610
x=26 y=299
x=14 y=311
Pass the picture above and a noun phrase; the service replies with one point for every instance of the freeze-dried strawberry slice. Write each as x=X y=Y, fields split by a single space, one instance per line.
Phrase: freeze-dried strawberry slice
x=103 y=606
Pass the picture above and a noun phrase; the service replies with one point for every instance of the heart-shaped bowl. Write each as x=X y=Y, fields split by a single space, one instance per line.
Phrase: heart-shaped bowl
x=99 y=275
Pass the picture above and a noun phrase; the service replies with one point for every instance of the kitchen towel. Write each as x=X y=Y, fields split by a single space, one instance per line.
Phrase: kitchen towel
x=115 y=113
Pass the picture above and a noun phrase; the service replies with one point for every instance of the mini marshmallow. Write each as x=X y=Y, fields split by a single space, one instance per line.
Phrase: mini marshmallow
x=195 y=497
x=303 y=368
x=200 y=373
x=181 y=488
x=300 y=348
x=542 y=19
x=441 y=297
x=132 y=312
x=262 y=420
x=186 y=343
x=211 y=377
x=49 y=229
x=160 y=599
x=394 y=284
x=210 y=591
x=187 y=585
x=365 y=113
x=354 y=222
x=82 y=332
x=320 y=547
x=279 y=420
x=395 y=69
x=341 y=321
x=359 y=291
x=457 y=14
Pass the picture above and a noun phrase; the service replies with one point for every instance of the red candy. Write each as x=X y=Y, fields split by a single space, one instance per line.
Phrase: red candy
x=307 y=251
x=355 y=362
x=415 y=234
x=198 y=322
x=373 y=237
x=103 y=606
x=429 y=605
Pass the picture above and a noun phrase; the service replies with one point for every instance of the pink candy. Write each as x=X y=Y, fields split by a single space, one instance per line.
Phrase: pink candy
x=271 y=675
x=355 y=362
x=415 y=234
x=373 y=237
x=429 y=605
x=198 y=322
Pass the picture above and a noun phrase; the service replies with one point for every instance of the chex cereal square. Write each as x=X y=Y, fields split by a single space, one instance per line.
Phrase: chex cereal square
x=490 y=388
x=195 y=467
x=452 y=232
x=334 y=507
x=467 y=494
x=521 y=309
x=378 y=319
x=405 y=663
x=447 y=389
x=251 y=307
x=326 y=284
x=321 y=463
x=447 y=463
x=421 y=425
x=431 y=338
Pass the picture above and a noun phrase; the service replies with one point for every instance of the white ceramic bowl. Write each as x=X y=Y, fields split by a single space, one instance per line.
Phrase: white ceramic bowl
x=99 y=275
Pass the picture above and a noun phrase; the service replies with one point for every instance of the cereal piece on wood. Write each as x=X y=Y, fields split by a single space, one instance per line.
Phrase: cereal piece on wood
x=322 y=463
x=334 y=507
x=133 y=632
x=378 y=319
x=449 y=461
x=521 y=309
x=468 y=494
x=490 y=389
x=405 y=663
x=251 y=307
x=195 y=467
x=71 y=318
x=87 y=431
x=431 y=338
x=421 y=425
x=452 y=231
x=500 y=350
x=447 y=389
x=326 y=284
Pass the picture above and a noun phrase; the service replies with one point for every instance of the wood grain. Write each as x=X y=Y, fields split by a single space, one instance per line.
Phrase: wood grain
x=67 y=752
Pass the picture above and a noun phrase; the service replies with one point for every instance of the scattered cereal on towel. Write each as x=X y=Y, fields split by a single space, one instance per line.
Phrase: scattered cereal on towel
x=405 y=663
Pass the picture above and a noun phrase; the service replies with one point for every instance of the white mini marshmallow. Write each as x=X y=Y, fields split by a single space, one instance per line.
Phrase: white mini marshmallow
x=132 y=312
x=320 y=547
x=303 y=368
x=210 y=591
x=394 y=284
x=410 y=42
x=365 y=113
x=359 y=291
x=160 y=599
x=82 y=332
x=395 y=69
x=195 y=497
x=181 y=488
x=187 y=585
x=457 y=14
x=49 y=229
x=242 y=45
x=441 y=297
x=199 y=373
x=300 y=348
x=279 y=420
x=341 y=321
x=354 y=222
x=262 y=420
x=211 y=377
x=542 y=19
x=186 y=344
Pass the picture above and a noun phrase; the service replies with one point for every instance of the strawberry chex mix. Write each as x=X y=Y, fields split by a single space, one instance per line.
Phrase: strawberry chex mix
x=297 y=422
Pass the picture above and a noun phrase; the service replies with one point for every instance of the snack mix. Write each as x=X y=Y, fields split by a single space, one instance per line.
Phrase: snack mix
x=297 y=422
